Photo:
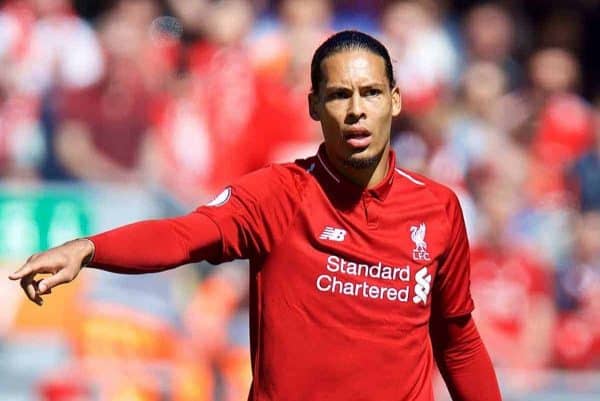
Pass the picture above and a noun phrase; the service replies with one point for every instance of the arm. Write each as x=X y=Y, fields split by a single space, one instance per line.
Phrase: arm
x=143 y=247
x=462 y=359
x=461 y=356
x=156 y=245
x=252 y=217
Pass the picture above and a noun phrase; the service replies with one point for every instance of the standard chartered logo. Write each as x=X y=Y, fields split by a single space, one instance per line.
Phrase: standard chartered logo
x=423 y=279
x=398 y=278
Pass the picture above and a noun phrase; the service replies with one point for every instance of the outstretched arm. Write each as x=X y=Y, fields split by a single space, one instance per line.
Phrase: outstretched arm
x=463 y=360
x=156 y=245
x=248 y=219
x=142 y=247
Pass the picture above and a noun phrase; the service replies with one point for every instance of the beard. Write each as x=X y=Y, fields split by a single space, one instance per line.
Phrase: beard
x=361 y=163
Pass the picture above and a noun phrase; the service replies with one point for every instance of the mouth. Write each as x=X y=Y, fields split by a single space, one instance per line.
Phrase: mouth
x=358 y=138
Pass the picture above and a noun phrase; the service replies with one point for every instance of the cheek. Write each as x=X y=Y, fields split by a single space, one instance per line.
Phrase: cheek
x=330 y=130
x=386 y=109
x=379 y=107
x=382 y=107
x=382 y=118
x=332 y=118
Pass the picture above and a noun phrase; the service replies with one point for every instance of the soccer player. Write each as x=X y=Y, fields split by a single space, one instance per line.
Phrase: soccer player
x=359 y=269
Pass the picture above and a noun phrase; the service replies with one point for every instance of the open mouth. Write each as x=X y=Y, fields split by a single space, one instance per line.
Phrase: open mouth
x=357 y=138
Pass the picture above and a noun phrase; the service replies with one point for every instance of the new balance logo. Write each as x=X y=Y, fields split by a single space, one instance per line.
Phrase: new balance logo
x=333 y=234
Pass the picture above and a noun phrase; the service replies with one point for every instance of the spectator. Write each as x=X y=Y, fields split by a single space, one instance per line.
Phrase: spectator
x=535 y=117
x=584 y=176
x=22 y=145
x=577 y=342
x=43 y=43
x=555 y=74
x=490 y=35
x=511 y=285
x=60 y=48
x=102 y=127
x=283 y=47
x=426 y=60
x=471 y=140
x=197 y=132
x=471 y=135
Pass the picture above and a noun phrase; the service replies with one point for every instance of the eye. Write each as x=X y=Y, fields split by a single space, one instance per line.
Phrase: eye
x=338 y=94
x=372 y=92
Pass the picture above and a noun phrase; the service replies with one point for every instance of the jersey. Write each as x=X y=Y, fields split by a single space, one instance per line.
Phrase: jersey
x=344 y=280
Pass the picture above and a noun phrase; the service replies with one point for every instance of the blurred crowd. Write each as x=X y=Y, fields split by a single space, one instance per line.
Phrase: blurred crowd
x=183 y=96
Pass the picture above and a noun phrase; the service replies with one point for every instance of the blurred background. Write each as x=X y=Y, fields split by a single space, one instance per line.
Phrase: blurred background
x=115 y=111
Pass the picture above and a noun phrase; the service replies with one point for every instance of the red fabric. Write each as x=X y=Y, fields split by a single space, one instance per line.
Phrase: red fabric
x=302 y=326
x=155 y=245
x=304 y=229
x=463 y=360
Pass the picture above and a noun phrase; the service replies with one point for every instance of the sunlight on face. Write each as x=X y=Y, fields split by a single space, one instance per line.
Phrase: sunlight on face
x=355 y=106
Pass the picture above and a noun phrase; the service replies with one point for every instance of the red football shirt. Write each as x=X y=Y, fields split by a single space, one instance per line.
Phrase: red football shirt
x=344 y=280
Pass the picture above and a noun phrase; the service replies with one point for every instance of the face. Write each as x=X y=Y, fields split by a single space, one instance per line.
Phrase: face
x=355 y=105
x=554 y=70
x=229 y=21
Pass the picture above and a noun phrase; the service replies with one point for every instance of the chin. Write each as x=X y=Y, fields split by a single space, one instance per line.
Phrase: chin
x=364 y=159
x=358 y=161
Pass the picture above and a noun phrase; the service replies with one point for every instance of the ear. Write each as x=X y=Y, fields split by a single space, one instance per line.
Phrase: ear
x=396 y=101
x=313 y=101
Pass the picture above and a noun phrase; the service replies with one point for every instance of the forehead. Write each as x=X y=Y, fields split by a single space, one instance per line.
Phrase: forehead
x=353 y=67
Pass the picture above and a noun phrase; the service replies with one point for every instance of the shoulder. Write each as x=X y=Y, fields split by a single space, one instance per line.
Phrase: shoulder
x=439 y=193
x=272 y=180
x=297 y=173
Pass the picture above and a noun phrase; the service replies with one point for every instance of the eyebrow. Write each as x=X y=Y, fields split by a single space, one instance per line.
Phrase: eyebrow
x=342 y=86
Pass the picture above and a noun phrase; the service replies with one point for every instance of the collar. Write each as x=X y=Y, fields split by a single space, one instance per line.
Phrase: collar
x=343 y=186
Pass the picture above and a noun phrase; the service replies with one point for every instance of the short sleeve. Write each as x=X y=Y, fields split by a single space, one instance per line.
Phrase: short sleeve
x=255 y=212
x=452 y=294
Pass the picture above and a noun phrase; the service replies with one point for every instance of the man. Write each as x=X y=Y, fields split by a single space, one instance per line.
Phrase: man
x=355 y=264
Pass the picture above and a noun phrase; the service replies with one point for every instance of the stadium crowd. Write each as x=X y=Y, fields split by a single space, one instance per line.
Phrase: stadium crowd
x=182 y=96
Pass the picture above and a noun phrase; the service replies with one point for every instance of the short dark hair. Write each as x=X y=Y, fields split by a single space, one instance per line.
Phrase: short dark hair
x=343 y=41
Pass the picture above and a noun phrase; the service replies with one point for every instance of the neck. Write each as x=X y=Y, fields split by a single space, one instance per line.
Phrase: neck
x=363 y=177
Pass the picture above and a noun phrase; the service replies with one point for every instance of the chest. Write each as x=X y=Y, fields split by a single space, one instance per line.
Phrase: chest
x=368 y=263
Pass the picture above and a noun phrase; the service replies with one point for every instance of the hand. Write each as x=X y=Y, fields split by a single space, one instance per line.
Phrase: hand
x=63 y=263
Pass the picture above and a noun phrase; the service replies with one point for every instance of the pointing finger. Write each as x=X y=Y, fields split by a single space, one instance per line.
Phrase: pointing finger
x=35 y=264
x=21 y=272
x=42 y=264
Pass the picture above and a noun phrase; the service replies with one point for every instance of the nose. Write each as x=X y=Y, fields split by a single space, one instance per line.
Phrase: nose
x=356 y=110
